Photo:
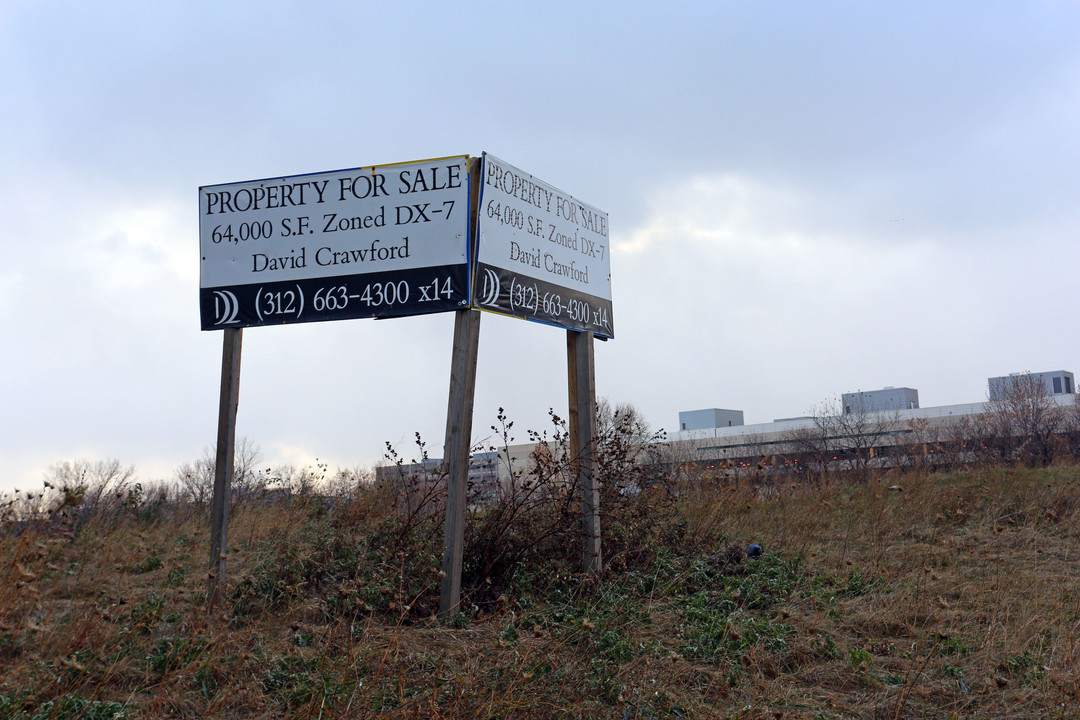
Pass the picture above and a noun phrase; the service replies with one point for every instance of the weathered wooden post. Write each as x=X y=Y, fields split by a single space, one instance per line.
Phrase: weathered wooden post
x=581 y=373
x=459 y=416
x=456 y=454
x=223 y=466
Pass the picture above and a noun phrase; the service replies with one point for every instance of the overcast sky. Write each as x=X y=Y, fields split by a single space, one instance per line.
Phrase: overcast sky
x=805 y=199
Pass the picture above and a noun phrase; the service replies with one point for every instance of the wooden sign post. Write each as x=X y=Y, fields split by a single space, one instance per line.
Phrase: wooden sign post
x=456 y=454
x=459 y=417
x=223 y=467
x=581 y=372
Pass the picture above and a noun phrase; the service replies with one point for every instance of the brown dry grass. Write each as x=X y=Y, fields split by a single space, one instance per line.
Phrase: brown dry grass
x=940 y=596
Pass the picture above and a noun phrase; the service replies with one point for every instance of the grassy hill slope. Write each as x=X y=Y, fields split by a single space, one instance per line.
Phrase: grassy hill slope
x=940 y=596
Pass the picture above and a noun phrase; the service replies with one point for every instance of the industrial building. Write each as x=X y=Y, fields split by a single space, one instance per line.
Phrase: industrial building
x=711 y=418
x=890 y=398
x=1056 y=382
x=893 y=409
x=892 y=415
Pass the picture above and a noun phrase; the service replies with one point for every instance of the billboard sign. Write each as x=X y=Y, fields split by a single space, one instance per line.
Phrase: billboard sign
x=379 y=241
x=543 y=255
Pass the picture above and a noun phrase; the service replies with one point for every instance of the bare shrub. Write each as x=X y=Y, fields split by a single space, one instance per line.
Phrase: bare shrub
x=1070 y=428
x=77 y=492
x=922 y=447
x=347 y=481
x=1023 y=424
x=196 y=479
x=93 y=485
x=819 y=445
x=522 y=523
x=531 y=514
x=415 y=490
x=288 y=479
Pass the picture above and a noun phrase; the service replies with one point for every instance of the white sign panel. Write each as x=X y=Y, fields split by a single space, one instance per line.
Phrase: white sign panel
x=543 y=255
x=379 y=241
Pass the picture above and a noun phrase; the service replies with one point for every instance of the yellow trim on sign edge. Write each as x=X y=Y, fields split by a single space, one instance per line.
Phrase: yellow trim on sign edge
x=496 y=312
x=415 y=162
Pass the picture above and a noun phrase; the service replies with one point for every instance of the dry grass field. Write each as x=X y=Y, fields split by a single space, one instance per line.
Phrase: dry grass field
x=917 y=596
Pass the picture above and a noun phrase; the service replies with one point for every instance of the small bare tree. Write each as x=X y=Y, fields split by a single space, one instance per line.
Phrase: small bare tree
x=866 y=437
x=922 y=446
x=196 y=479
x=627 y=448
x=818 y=445
x=1070 y=428
x=1024 y=423
x=91 y=485
x=854 y=440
